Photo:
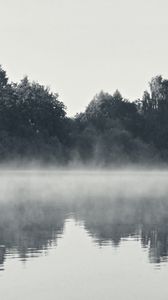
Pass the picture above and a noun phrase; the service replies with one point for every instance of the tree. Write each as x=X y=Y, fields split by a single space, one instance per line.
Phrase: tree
x=39 y=110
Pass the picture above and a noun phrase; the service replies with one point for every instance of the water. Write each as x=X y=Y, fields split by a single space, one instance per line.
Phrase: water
x=83 y=235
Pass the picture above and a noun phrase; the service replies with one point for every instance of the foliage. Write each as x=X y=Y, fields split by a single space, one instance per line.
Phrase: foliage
x=34 y=125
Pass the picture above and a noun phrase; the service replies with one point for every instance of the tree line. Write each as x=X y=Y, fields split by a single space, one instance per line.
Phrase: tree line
x=34 y=125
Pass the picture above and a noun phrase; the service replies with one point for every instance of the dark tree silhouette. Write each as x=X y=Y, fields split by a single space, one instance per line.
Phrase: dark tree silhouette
x=33 y=124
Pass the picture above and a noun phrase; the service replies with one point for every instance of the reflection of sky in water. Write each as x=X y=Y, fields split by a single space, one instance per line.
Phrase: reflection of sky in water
x=78 y=269
x=75 y=232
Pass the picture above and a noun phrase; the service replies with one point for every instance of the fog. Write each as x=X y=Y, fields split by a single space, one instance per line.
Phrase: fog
x=79 y=184
x=112 y=205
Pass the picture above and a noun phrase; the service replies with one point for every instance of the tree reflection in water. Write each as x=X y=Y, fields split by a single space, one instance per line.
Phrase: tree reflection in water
x=30 y=227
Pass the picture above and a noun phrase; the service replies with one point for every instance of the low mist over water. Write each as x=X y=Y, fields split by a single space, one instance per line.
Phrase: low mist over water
x=102 y=223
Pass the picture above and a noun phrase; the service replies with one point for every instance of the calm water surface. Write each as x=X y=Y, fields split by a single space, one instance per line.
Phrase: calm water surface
x=83 y=235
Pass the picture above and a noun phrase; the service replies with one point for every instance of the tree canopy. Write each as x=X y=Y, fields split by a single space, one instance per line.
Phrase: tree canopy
x=34 y=125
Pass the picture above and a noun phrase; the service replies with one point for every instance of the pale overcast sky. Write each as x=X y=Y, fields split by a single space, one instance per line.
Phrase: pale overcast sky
x=79 y=47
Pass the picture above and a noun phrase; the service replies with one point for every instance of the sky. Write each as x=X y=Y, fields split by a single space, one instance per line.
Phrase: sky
x=80 y=47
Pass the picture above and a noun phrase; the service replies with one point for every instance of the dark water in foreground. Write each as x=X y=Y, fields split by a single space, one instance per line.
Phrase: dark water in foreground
x=83 y=235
